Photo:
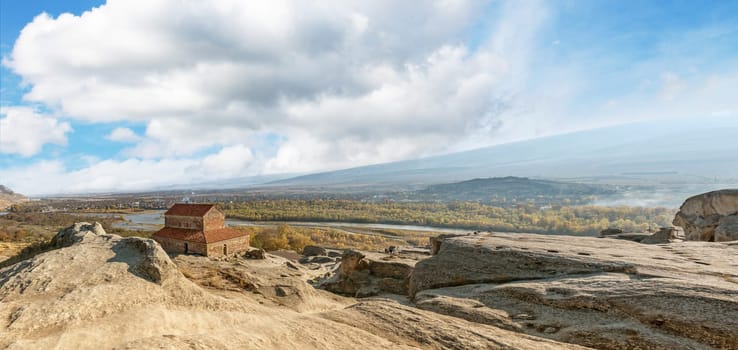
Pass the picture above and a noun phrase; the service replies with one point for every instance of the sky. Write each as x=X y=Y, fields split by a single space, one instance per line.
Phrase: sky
x=127 y=95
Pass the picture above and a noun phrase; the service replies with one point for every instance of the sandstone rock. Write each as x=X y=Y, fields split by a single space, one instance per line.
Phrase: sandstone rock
x=99 y=291
x=610 y=231
x=629 y=236
x=435 y=242
x=605 y=294
x=363 y=274
x=317 y=260
x=77 y=233
x=335 y=253
x=727 y=229
x=665 y=235
x=710 y=216
x=256 y=253
x=312 y=250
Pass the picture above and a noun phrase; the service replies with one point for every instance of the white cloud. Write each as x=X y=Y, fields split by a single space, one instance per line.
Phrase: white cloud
x=204 y=74
x=340 y=83
x=231 y=161
x=24 y=131
x=126 y=175
x=123 y=135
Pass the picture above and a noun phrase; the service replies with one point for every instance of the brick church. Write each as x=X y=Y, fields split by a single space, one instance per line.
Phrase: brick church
x=199 y=229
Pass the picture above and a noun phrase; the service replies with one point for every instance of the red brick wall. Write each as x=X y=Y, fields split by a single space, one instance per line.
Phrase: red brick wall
x=214 y=220
x=234 y=245
x=177 y=246
x=187 y=222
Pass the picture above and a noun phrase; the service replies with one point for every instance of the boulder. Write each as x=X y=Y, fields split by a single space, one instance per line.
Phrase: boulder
x=152 y=262
x=665 y=235
x=312 y=250
x=711 y=216
x=77 y=233
x=727 y=229
x=256 y=253
x=604 y=294
x=335 y=253
x=435 y=242
x=363 y=274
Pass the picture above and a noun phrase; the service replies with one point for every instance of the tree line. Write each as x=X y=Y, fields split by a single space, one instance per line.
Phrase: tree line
x=556 y=219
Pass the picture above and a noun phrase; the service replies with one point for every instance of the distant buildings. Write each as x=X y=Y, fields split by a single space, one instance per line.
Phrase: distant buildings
x=199 y=229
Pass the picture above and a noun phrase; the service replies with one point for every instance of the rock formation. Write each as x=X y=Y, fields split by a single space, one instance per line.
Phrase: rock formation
x=710 y=217
x=367 y=274
x=606 y=294
x=102 y=291
x=662 y=236
x=311 y=250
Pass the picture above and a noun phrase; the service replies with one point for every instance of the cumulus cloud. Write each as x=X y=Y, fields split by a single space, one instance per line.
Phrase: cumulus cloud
x=231 y=161
x=126 y=175
x=207 y=74
x=337 y=84
x=24 y=131
x=123 y=135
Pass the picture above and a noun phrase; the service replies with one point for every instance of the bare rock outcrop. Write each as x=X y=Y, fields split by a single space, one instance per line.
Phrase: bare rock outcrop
x=313 y=250
x=606 y=294
x=102 y=291
x=710 y=217
x=665 y=235
x=662 y=236
x=364 y=274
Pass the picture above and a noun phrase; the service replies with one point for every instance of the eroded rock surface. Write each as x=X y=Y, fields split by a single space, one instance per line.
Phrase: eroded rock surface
x=363 y=274
x=662 y=236
x=710 y=217
x=607 y=294
x=102 y=291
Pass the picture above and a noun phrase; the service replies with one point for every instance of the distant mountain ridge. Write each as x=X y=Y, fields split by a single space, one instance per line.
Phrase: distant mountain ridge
x=681 y=151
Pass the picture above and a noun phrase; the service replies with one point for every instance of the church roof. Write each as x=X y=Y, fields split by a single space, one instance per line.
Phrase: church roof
x=185 y=209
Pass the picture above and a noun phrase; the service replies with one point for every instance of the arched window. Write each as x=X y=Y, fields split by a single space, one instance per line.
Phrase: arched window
x=225 y=249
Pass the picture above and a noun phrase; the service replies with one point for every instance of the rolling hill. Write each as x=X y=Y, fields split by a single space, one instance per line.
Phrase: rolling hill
x=512 y=189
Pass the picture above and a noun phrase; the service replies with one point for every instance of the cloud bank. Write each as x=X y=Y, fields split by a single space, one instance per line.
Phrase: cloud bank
x=233 y=88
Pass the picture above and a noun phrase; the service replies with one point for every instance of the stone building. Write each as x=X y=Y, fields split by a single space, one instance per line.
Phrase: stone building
x=199 y=229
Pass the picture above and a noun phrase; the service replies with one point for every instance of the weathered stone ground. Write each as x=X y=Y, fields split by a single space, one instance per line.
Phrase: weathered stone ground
x=603 y=293
x=101 y=291
x=481 y=291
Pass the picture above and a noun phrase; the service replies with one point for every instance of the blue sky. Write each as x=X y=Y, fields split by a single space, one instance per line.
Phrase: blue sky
x=192 y=91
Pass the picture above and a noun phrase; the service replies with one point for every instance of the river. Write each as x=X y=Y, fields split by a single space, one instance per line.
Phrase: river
x=154 y=219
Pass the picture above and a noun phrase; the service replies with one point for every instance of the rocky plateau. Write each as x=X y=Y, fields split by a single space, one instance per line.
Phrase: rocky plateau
x=102 y=291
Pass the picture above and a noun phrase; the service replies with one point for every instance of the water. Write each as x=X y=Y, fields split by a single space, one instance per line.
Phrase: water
x=151 y=219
